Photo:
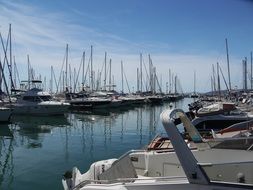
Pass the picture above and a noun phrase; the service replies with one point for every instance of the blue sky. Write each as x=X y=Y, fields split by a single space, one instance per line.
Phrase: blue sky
x=181 y=35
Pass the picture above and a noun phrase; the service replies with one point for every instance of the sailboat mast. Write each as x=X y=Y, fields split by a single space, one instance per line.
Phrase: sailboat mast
x=91 y=69
x=214 y=83
x=70 y=78
x=150 y=74
x=51 y=81
x=83 y=71
x=251 y=80
x=176 y=84
x=229 y=82
x=66 y=72
x=169 y=81
x=138 y=88
x=194 y=82
x=15 y=72
x=154 y=80
x=245 y=74
x=110 y=74
x=10 y=64
x=29 y=79
x=218 y=78
x=122 y=78
x=105 y=73
x=141 y=72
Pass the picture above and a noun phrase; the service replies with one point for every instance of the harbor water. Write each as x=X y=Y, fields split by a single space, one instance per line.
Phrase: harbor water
x=35 y=152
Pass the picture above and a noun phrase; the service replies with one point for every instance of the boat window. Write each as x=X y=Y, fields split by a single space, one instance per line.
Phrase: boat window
x=239 y=144
x=29 y=98
x=37 y=98
x=45 y=98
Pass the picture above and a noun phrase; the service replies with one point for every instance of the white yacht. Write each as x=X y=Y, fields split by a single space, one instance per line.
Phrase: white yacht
x=38 y=102
x=219 y=163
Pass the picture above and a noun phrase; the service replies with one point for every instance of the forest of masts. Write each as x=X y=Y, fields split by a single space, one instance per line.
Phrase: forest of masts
x=84 y=78
x=247 y=77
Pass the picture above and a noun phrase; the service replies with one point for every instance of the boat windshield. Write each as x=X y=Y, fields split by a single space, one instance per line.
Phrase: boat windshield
x=233 y=143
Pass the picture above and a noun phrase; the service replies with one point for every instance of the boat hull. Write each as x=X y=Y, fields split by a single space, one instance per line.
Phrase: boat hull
x=89 y=104
x=5 y=114
x=41 y=109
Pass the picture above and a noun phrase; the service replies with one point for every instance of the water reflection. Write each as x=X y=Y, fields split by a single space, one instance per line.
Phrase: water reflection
x=5 y=130
x=30 y=129
x=6 y=155
x=39 y=122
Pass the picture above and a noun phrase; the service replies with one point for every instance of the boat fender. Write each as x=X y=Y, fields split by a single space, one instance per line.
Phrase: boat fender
x=68 y=181
x=67 y=175
x=240 y=178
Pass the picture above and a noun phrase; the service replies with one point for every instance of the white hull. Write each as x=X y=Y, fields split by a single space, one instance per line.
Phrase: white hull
x=44 y=108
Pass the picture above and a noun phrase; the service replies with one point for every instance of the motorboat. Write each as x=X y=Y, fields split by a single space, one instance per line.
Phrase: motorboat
x=154 y=99
x=172 y=97
x=90 y=103
x=225 y=175
x=216 y=108
x=207 y=165
x=96 y=100
x=38 y=102
x=236 y=130
x=219 y=116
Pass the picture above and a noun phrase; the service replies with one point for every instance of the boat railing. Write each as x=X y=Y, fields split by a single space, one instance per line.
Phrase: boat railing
x=129 y=180
x=128 y=153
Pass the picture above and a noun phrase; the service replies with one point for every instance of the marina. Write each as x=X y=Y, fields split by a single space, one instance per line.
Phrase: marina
x=126 y=95
x=37 y=150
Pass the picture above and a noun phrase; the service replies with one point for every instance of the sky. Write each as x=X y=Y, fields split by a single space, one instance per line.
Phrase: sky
x=179 y=35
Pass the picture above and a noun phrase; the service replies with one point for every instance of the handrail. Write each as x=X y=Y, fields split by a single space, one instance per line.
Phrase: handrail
x=250 y=147
x=203 y=164
x=129 y=152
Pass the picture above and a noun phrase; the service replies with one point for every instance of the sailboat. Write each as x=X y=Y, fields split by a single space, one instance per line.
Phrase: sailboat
x=5 y=111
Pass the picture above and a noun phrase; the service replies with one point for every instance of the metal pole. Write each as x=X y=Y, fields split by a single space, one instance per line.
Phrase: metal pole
x=229 y=82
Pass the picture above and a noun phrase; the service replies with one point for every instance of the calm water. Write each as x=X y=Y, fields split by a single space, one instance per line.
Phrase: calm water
x=36 y=151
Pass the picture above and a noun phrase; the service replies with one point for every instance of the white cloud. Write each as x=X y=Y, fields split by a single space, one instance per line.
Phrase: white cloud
x=44 y=35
